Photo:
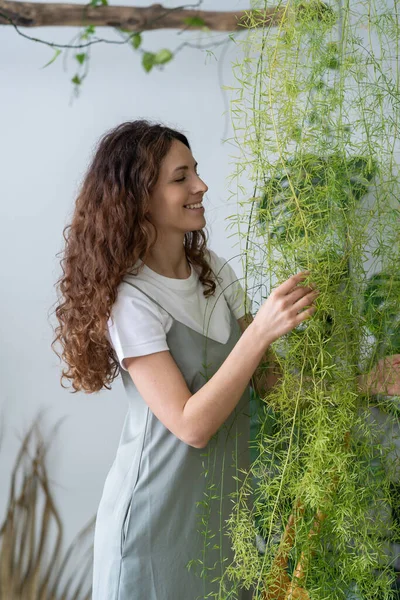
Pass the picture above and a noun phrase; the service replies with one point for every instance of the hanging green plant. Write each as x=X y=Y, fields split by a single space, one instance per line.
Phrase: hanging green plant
x=314 y=116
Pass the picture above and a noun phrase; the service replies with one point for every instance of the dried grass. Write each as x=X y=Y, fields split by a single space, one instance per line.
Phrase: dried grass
x=31 y=563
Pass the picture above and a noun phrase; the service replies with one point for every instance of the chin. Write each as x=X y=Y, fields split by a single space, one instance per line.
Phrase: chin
x=195 y=229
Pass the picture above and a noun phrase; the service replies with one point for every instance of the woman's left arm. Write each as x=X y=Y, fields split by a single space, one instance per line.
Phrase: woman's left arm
x=383 y=378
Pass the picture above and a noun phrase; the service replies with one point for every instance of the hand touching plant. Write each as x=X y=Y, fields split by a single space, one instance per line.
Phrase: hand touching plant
x=283 y=310
x=384 y=377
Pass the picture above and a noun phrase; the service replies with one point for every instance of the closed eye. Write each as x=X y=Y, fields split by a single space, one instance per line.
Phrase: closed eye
x=183 y=178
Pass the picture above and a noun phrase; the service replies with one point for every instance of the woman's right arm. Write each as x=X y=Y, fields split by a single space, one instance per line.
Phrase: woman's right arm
x=194 y=418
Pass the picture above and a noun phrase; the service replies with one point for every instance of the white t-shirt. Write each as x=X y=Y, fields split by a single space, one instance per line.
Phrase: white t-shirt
x=137 y=326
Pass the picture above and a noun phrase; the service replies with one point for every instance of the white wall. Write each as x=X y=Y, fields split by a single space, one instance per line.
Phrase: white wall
x=45 y=146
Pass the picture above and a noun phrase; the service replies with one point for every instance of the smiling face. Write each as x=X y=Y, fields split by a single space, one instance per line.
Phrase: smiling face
x=178 y=185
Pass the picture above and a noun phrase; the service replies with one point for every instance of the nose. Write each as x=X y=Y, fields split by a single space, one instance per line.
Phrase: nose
x=200 y=186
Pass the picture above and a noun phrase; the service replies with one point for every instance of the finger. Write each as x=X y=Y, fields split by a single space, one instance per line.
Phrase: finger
x=392 y=358
x=393 y=391
x=290 y=283
x=300 y=291
x=306 y=300
x=304 y=314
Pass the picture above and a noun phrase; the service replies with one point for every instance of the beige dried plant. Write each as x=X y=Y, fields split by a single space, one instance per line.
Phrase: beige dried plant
x=32 y=564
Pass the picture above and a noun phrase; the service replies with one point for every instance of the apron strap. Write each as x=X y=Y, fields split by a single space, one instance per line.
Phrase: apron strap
x=149 y=297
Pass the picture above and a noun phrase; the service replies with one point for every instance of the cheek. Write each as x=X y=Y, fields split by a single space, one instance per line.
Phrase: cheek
x=167 y=203
x=176 y=197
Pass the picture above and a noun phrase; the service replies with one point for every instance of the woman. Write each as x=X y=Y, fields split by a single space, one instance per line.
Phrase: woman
x=142 y=297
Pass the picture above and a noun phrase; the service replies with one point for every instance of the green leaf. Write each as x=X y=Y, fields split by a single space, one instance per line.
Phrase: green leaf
x=76 y=80
x=333 y=63
x=194 y=21
x=295 y=133
x=148 y=61
x=56 y=55
x=163 y=56
x=315 y=10
x=88 y=31
x=332 y=56
x=381 y=304
x=81 y=57
x=136 y=40
x=309 y=177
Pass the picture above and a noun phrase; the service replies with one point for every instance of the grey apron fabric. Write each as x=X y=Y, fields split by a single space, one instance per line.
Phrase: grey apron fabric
x=165 y=503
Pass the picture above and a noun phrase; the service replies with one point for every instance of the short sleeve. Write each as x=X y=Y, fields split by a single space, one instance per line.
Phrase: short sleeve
x=135 y=327
x=231 y=286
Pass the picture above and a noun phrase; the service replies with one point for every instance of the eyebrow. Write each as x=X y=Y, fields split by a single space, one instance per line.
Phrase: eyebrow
x=184 y=167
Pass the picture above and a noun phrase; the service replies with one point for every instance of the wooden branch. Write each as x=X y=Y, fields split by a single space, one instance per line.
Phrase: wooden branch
x=38 y=14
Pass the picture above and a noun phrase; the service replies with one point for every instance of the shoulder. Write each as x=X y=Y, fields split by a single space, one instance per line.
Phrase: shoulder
x=215 y=261
x=221 y=268
x=224 y=271
x=137 y=326
x=132 y=303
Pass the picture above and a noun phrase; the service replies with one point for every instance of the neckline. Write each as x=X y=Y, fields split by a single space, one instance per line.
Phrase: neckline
x=171 y=282
x=174 y=320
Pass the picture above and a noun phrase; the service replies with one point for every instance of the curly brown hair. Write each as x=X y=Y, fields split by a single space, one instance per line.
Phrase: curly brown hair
x=109 y=232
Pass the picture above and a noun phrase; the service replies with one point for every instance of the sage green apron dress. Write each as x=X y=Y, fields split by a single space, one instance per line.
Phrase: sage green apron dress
x=165 y=504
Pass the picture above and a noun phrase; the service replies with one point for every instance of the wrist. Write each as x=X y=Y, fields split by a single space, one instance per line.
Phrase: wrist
x=260 y=340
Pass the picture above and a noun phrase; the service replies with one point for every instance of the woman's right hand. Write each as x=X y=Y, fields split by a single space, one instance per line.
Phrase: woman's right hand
x=283 y=309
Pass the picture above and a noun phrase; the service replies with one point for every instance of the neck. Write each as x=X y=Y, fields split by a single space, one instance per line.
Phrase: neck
x=168 y=260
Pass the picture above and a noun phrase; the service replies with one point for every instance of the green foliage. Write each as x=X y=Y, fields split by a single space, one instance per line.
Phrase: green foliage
x=381 y=310
x=86 y=38
x=315 y=114
x=87 y=32
x=81 y=57
x=194 y=21
x=163 y=56
x=55 y=56
x=150 y=59
x=136 y=40
x=307 y=189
